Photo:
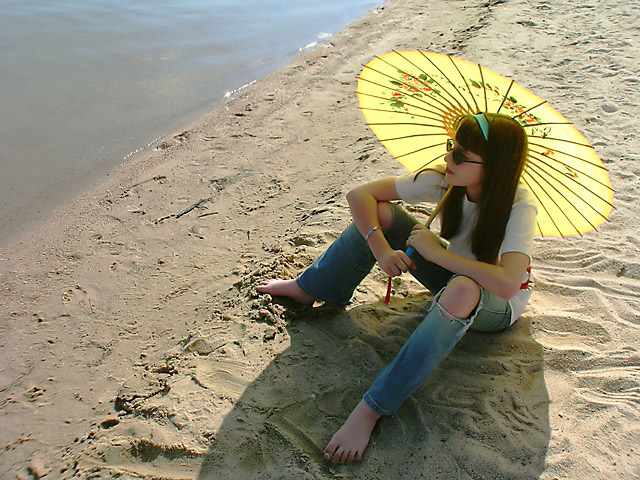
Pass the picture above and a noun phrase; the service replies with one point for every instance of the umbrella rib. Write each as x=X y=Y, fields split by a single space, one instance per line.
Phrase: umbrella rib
x=410 y=123
x=410 y=104
x=544 y=123
x=575 y=208
x=457 y=103
x=504 y=98
x=543 y=206
x=573 y=142
x=430 y=162
x=403 y=83
x=529 y=109
x=400 y=112
x=538 y=169
x=546 y=148
x=484 y=88
x=455 y=88
x=424 y=134
x=420 y=150
x=540 y=160
x=465 y=83
x=564 y=164
x=397 y=90
x=413 y=136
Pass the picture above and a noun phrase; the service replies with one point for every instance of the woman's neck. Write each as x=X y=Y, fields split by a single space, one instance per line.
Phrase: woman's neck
x=474 y=193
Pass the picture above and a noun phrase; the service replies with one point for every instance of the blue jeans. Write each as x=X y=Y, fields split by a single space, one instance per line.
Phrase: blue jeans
x=334 y=276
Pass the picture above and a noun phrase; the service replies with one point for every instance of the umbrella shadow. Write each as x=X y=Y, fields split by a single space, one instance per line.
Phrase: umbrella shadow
x=483 y=413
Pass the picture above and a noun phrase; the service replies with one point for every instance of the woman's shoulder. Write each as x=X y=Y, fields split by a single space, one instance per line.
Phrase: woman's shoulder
x=524 y=198
x=425 y=186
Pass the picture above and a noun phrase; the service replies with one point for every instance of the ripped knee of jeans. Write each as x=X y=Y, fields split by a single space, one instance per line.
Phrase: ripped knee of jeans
x=446 y=315
x=463 y=321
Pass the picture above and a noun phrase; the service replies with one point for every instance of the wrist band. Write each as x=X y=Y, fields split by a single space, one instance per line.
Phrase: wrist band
x=366 y=238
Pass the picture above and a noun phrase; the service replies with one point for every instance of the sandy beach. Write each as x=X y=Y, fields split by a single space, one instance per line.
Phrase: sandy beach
x=134 y=345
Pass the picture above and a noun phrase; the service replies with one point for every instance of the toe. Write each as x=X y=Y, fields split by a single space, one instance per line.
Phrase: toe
x=330 y=450
x=340 y=456
x=349 y=457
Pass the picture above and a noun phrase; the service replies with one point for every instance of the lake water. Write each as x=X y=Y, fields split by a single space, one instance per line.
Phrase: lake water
x=85 y=83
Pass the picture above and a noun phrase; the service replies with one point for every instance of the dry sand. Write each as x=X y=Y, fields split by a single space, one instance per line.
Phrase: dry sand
x=133 y=343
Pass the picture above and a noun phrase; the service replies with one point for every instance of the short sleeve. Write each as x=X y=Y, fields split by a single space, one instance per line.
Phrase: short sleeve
x=521 y=227
x=429 y=186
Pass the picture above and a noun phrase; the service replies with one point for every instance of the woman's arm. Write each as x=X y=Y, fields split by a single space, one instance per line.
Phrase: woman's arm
x=503 y=279
x=363 y=202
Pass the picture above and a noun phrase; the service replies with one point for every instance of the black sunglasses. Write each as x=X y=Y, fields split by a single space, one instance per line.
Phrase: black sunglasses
x=458 y=155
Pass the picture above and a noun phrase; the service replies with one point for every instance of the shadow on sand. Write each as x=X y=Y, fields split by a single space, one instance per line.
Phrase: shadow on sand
x=482 y=414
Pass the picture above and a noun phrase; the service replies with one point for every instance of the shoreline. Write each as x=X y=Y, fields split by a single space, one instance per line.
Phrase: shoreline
x=135 y=344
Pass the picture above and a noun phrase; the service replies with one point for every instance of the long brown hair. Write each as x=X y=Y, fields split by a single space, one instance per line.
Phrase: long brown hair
x=504 y=154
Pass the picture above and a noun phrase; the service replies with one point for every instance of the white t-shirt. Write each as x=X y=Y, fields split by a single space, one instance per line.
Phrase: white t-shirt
x=518 y=237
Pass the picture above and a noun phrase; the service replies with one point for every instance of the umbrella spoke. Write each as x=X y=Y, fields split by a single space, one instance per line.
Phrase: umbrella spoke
x=455 y=88
x=544 y=207
x=414 y=136
x=550 y=197
x=429 y=163
x=555 y=150
x=423 y=149
x=545 y=179
x=565 y=140
x=556 y=183
x=570 y=177
x=428 y=102
x=457 y=103
x=413 y=124
x=540 y=124
x=439 y=113
x=484 y=88
x=405 y=84
x=439 y=119
x=504 y=97
x=473 y=97
x=529 y=109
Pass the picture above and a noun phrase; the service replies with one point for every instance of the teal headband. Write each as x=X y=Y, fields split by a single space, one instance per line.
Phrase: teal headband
x=483 y=123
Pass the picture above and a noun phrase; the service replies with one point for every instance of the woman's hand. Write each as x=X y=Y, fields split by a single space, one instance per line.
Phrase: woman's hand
x=395 y=262
x=426 y=243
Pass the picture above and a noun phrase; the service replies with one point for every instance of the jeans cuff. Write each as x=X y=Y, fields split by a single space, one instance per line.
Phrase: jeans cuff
x=374 y=406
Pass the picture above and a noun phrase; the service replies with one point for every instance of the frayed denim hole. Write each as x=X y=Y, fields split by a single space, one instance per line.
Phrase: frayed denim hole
x=434 y=300
x=466 y=322
x=479 y=307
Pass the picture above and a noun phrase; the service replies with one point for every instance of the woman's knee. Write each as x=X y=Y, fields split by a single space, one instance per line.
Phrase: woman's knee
x=460 y=297
x=385 y=214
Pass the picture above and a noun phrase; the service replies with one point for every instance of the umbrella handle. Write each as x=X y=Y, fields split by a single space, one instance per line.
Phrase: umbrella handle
x=410 y=250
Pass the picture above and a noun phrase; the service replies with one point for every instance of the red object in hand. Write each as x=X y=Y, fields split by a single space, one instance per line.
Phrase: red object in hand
x=386 y=299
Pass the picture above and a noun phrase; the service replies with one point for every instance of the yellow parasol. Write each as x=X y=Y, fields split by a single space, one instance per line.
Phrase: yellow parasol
x=412 y=99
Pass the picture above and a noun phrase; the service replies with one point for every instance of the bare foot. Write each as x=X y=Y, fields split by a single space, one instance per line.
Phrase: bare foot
x=348 y=443
x=285 y=288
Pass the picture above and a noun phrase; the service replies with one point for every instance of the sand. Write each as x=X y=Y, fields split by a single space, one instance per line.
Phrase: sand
x=134 y=345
